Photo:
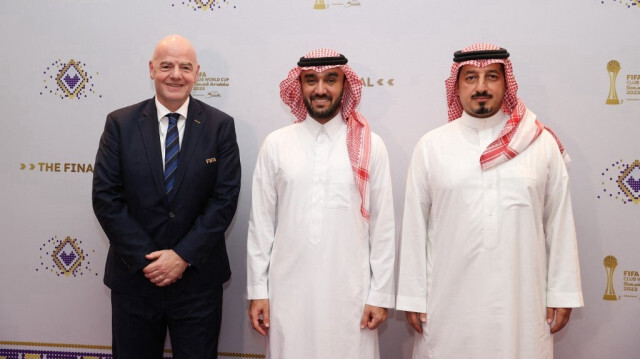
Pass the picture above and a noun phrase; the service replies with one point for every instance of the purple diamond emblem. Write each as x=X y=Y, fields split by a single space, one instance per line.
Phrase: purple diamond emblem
x=634 y=184
x=71 y=79
x=629 y=181
x=67 y=256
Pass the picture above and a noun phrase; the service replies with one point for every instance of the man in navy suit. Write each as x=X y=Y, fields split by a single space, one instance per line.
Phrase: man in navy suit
x=165 y=189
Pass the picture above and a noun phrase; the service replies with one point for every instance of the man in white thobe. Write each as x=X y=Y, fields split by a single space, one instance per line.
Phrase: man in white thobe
x=321 y=248
x=488 y=258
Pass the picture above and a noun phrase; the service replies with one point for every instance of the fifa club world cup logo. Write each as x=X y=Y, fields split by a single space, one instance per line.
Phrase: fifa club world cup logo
x=613 y=67
x=610 y=264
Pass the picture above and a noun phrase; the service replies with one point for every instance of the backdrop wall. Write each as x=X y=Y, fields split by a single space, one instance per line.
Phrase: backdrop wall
x=68 y=63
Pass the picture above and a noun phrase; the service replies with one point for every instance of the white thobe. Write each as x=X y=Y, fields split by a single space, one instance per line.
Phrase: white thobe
x=483 y=253
x=309 y=250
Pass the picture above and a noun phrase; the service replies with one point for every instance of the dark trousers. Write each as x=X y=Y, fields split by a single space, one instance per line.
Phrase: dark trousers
x=139 y=324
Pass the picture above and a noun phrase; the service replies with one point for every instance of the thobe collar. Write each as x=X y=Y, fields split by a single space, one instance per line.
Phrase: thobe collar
x=500 y=118
x=332 y=127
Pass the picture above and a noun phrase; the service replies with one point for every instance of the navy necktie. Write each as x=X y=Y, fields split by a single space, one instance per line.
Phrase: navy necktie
x=171 y=153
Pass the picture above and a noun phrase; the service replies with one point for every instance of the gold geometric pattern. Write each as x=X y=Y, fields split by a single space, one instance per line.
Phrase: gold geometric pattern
x=625 y=181
x=205 y=4
x=102 y=347
x=71 y=79
x=67 y=256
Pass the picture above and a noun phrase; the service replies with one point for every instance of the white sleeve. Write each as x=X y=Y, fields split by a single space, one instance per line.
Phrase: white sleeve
x=563 y=275
x=381 y=228
x=412 y=277
x=262 y=226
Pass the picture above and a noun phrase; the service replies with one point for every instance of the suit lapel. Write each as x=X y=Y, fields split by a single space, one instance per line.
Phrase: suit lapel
x=150 y=133
x=193 y=129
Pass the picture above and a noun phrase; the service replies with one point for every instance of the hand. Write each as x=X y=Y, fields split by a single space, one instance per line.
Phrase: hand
x=416 y=320
x=373 y=316
x=257 y=308
x=561 y=318
x=166 y=267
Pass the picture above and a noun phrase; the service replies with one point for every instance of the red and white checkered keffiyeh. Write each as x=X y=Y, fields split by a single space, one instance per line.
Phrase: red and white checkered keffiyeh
x=517 y=134
x=358 y=131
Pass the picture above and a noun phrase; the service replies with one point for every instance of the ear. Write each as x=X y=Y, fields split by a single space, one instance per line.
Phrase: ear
x=197 y=72
x=151 y=69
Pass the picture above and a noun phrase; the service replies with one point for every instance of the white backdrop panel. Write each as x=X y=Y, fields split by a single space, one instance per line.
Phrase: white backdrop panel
x=560 y=51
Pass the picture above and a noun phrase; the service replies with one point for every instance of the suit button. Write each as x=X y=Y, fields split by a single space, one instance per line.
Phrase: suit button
x=171 y=214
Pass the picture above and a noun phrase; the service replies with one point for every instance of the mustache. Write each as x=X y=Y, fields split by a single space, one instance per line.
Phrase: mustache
x=321 y=97
x=481 y=94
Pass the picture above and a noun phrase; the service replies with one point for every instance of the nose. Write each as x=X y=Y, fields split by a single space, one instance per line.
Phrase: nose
x=321 y=88
x=175 y=72
x=482 y=84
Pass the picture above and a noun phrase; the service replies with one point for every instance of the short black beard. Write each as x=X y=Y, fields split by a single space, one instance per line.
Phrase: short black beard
x=482 y=110
x=326 y=114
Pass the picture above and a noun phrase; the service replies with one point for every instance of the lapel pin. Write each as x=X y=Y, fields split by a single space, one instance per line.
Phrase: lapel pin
x=210 y=160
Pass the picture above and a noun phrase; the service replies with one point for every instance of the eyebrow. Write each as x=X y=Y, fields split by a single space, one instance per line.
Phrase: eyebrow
x=310 y=76
x=162 y=63
x=469 y=71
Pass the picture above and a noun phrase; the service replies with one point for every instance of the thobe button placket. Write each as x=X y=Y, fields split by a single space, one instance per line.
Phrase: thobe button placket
x=489 y=197
x=319 y=189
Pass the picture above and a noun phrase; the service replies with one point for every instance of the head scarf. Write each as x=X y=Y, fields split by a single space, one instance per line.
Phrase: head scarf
x=517 y=134
x=358 y=132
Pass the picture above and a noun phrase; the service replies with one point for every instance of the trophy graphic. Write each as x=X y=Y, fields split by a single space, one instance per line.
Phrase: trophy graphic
x=319 y=5
x=610 y=264
x=613 y=67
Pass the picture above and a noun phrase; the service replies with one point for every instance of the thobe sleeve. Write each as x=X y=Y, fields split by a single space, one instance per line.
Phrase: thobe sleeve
x=262 y=225
x=381 y=228
x=563 y=274
x=412 y=278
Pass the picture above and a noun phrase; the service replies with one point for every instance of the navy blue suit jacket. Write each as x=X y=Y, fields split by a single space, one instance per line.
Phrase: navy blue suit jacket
x=134 y=212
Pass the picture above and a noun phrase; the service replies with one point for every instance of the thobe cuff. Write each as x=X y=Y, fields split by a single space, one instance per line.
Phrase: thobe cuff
x=379 y=299
x=411 y=304
x=565 y=300
x=258 y=292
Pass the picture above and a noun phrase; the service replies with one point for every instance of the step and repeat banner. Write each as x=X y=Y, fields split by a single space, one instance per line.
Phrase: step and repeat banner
x=67 y=63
